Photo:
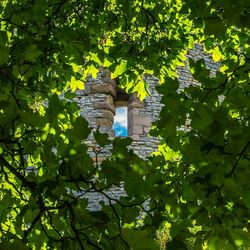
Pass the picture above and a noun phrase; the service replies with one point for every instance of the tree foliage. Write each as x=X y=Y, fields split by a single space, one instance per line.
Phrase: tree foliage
x=198 y=181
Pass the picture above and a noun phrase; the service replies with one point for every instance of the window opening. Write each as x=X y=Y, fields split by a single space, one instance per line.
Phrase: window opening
x=120 y=125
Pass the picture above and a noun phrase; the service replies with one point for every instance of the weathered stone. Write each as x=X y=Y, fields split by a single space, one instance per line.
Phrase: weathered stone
x=138 y=130
x=132 y=112
x=104 y=106
x=121 y=103
x=108 y=80
x=109 y=99
x=103 y=89
x=100 y=98
x=104 y=122
x=87 y=89
x=141 y=120
x=135 y=137
x=146 y=129
x=135 y=102
x=105 y=114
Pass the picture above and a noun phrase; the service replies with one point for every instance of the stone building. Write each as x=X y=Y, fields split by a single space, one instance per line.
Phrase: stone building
x=101 y=97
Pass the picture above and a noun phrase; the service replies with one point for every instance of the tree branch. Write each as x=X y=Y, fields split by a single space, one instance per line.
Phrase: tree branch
x=26 y=183
x=237 y=161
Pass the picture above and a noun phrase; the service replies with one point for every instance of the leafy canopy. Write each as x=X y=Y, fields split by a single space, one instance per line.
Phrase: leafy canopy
x=198 y=181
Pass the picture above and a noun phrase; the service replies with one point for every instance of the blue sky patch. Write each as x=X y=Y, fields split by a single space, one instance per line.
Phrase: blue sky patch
x=121 y=121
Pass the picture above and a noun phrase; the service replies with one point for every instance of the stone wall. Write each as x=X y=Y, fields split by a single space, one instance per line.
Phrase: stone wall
x=98 y=102
x=184 y=75
x=100 y=97
x=140 y=117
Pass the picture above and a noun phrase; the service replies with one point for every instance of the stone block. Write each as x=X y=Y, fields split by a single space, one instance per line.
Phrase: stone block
x=109 y=99
x=104 y=122
x=146 y=129
x=133 y=112
x=103 y=89
x=138 y=130
x=121 y=103
x=104 y=106
x=141 y=120
x=87 y=89
x=108 y=80
x=104 y=114
x=135 y=104
x=135 y=137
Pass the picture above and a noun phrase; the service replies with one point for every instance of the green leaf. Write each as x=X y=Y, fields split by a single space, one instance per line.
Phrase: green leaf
x=132 y=183
x=29 y=117
x=231 y=187
x=101 y=138
x=246 y=198
x=216 y=55
x=188 y=192
x=201 y=117
x=119 y=69
x=216 y=242
x=241 y=238
x=31 y=53
x=214 y=26
x=122 y=142
x=176 y=244
x=141 y=89
x=199 y=70
x=139 y=239
x=56 y=106
x=76 y=84
x=69 y=95
x=4 y=49
x=80 y=130
x=16 y=244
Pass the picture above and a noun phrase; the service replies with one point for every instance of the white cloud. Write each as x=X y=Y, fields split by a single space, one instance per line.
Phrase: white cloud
x=121 y=116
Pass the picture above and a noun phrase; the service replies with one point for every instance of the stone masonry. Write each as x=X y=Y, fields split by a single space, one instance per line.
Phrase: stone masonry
x=100 y=98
